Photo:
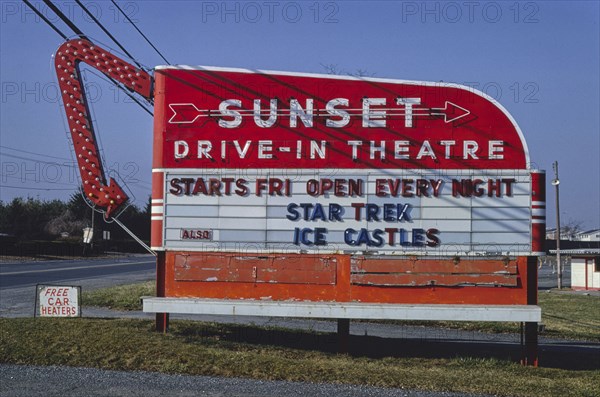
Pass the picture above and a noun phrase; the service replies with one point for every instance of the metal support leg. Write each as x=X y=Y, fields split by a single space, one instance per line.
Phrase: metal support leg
x=162 y=322
x=343 y=331
x=531 y=345
x=530 y=352
x=162 y=319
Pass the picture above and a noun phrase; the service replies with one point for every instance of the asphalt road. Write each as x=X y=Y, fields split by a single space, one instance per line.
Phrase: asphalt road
x=18 y=279
x=16 y=274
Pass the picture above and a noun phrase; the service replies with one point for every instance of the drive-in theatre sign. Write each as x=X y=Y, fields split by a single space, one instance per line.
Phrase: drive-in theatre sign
x=329 y=196
x=252 y=162
x=285 y=194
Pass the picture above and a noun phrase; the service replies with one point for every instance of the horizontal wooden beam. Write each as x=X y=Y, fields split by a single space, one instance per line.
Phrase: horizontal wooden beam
x=350 y=310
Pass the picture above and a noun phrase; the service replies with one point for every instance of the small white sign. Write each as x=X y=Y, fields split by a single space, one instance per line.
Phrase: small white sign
x=88 y=234
x=58 y=301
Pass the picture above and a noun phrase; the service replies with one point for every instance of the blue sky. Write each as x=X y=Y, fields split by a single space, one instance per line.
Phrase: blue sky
x=539 y=59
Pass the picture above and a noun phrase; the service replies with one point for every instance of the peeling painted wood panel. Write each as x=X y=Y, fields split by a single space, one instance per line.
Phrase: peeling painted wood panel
x=433 y=266
x=256 y=269
x=446 y=280
x=211 y=274
x=294 y=276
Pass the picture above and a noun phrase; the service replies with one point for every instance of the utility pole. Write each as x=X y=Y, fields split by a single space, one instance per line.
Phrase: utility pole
x=92 y=239
x=556 y=182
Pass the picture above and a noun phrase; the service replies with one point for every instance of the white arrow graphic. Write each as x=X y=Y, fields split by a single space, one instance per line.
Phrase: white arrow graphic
x=188 y=113
x=458 y=112
x=185 y=113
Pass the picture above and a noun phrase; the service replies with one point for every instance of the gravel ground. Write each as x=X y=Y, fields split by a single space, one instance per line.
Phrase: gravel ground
x=27 y=381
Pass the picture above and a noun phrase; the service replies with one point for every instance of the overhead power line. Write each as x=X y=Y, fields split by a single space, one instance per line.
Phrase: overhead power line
x=84 y=8
x=140 y=32
x=66 y=165
x=34 y=153
x=57 y=30
x=38 y=160
x=66 y=20
x=124 y=89
x=32 y=188
x=23 y=180
x=82 y=35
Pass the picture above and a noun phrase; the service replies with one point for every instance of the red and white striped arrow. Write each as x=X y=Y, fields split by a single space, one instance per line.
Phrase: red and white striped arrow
x=108 y=196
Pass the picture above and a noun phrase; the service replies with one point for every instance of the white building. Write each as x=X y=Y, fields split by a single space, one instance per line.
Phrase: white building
x=564 y=234
x=585 y=268
x=590 y=235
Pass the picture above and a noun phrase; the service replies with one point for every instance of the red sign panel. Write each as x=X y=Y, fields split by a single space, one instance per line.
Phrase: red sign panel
x=217 y=118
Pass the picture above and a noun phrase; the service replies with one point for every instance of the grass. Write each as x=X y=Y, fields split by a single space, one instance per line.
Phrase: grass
x=228 y=350
x=122 y=297
x=564 y=316
x=567 y=314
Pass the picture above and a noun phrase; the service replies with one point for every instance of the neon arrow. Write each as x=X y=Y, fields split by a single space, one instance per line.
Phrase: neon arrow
x=107 y=196
x=185 y=113
x=450 y=109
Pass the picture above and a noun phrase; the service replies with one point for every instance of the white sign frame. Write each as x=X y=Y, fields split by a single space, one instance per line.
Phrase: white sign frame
x=483 y=226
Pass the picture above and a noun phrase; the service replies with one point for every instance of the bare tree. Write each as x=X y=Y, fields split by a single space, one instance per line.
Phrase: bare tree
x=332 y=68
x=66 y=222
x=571 y=228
